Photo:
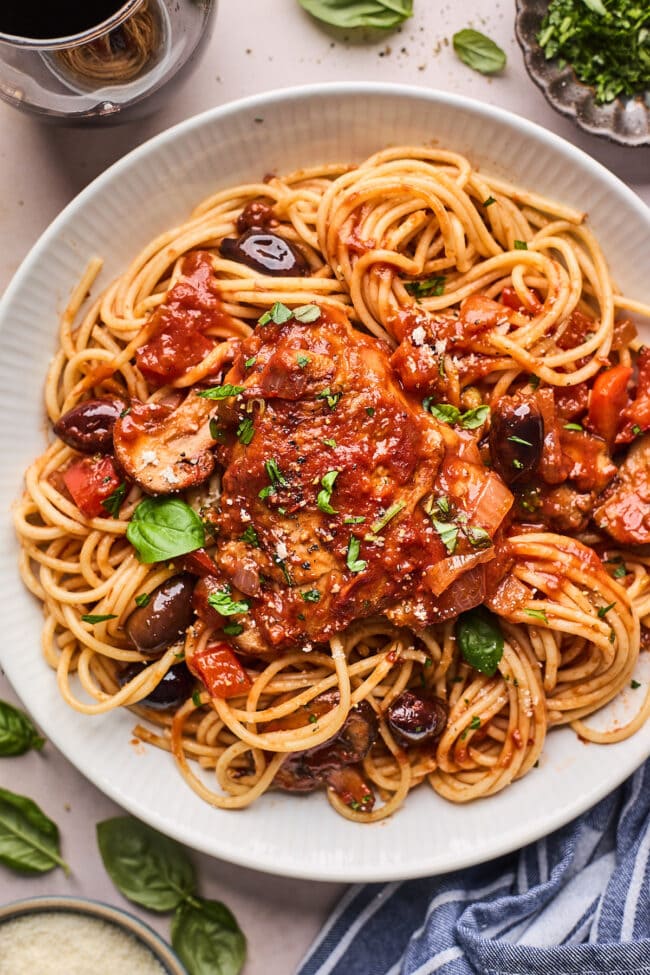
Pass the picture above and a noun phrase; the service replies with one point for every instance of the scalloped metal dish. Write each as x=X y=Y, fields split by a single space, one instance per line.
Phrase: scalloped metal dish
x=625 y=120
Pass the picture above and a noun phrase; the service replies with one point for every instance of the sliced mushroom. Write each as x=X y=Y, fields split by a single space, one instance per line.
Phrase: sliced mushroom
x=165 y=451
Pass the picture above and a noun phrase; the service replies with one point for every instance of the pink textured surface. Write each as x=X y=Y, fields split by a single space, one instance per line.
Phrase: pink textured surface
x=41 y=169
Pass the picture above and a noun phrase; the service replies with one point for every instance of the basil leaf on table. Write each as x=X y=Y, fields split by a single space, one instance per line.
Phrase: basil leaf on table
x=17 y=732
x=162 y=528
x=207 y=938
x=480 y=640
x=478 y=51
x=29 y=841
x=148 y=868
x=359 y=13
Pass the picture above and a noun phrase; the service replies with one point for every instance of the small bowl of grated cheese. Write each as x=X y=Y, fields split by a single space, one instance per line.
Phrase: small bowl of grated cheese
x=74 y=936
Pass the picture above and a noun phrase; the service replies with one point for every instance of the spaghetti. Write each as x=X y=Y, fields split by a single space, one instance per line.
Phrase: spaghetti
x=486 y=323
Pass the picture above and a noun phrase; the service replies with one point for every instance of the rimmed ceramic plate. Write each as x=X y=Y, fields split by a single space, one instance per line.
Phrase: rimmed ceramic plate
x=149 y=191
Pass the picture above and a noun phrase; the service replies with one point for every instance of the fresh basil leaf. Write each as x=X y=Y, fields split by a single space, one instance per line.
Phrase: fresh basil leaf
x=250 y=537
x=380 y=524
x=29 y=841
x=277 y=313
x=359 y=13
x=472 y=419
x=444 y=412
x=225 y=605
x=162 y=528
x=233 y=629
x=352 y=560
x=207 y=938
x=148 y=868
x=306 y=313
x=480 y=640
x=17 y=732
x=113 y=502
x=448 y=534
x=221 y=392
x=325 y=495
x=245 y=431
x=478 y=51
x=428 y=286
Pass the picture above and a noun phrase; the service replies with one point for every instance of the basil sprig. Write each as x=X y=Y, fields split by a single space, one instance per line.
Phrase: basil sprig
x=29 y=841
x=17 y=732
x=359 y=13
x=162 y=528
x=154 y=871
x=480 y=640
x=147 y=867
x=207 y=938
x=478 y=51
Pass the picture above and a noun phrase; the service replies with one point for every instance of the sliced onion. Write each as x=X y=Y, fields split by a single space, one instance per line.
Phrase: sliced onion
x=442 y=575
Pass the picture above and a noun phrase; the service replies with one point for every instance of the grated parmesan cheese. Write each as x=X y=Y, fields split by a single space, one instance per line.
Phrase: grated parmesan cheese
x=149 y=458
x=65 y=943
x=418 y=335
x=170 y=476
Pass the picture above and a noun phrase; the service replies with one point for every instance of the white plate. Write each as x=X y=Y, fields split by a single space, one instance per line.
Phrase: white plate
x=149 y=191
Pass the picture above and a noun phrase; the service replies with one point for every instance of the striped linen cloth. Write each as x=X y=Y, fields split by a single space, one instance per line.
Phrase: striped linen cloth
x=575 y=903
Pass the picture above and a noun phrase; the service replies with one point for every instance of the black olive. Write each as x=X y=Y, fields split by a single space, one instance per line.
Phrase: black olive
x=417 y=716
x=516 y=438
x=172 y=691
x=154 y=627
x=266 y=252
x=88 y=427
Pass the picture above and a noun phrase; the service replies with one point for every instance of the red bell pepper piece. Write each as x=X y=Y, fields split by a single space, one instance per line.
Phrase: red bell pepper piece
x=90 y=481
x=220 y=670
x=609 y=397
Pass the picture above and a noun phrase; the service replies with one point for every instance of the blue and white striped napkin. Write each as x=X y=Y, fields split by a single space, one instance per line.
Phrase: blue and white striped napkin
x=575 y=903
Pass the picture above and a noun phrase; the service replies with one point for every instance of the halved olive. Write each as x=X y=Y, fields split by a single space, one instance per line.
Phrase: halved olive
x=417 y=716
x=516 y=438
x=88 y=426
x=172 y=691
x=163 y=621
x=266 y=252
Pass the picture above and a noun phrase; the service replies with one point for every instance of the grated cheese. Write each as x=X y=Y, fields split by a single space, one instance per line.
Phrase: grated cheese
x=65 y=943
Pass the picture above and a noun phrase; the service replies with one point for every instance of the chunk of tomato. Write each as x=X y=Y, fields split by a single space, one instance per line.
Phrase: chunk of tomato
x=90 y=481
x=220 y=670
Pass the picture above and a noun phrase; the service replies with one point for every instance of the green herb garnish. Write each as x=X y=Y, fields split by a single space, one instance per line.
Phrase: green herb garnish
x=277 y=313
x=537 y=614
x=380 y=524
x=478 y=51
x=113 y=502
x=520 y=245
x=352 y=560
x=480 y=640
x=311 y=596
x=325 y=495
x=428 y=286
x=245 y=431
x=225 y=605
x=221 y=392
x=98 y=617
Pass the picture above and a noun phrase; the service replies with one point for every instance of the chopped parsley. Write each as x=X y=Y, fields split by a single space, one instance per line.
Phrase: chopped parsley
x=354 y=519
x=620 y=571
x=250 y=537
x=605 y=42
x=537 y=614
x=635 y=685
x=329 y=441
x=311 y=595
x=250 y=362
x=478 y=537
x=370 y=410
x=520 y=440
x=490 y=200
x=196 y=699
x=517 y=464
x=302 y=360
x=352 y=560
x=427 y=286
x=221 y=392
x=332 y=398
x=475 y=723
x=98 y=617
x=143 y=599
x=636 y=429
x=313 y=719
x=521 y=245
x=574 y=426
x=325 y=495
x=604 y=610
